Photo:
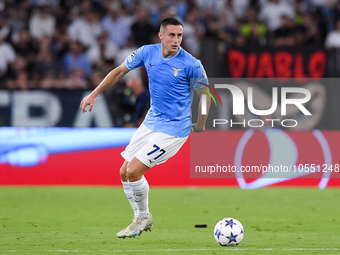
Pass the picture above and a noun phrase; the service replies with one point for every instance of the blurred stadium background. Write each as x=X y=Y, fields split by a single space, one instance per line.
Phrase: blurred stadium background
x=54 y=52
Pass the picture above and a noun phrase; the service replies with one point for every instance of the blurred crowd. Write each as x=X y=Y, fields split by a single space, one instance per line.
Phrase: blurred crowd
x=75 y=43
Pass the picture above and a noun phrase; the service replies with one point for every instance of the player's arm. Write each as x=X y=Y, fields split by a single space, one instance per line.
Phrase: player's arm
x=112 y=78
x=202 y=118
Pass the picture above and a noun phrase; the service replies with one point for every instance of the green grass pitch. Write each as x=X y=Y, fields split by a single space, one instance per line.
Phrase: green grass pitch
x=84 y=220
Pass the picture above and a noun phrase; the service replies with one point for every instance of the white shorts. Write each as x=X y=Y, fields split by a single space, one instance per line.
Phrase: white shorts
x=152 y=148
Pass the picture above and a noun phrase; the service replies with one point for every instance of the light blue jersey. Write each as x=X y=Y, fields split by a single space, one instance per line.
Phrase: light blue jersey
x=169 y=85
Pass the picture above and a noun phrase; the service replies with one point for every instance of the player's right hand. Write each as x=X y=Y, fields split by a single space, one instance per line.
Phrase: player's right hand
x=88 y=100
x=196 y=129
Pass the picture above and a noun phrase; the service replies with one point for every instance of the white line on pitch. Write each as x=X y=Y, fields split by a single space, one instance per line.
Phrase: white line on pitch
x=179 y=250
x=221 y=249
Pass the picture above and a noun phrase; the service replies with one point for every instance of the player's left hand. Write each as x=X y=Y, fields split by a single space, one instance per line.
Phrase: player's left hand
x=196 y=129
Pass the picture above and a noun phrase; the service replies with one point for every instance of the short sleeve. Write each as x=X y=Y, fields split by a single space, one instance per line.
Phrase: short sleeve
x=135 y=59
x=198 y=77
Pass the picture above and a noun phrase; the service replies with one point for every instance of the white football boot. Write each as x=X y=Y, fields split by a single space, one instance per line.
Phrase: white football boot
x=136 y=228
x=121 y=234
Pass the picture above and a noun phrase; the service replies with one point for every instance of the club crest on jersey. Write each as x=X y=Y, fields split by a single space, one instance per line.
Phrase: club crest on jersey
x=176 y=71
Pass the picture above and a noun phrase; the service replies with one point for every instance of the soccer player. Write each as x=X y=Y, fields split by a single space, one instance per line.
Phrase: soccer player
x=173 y=74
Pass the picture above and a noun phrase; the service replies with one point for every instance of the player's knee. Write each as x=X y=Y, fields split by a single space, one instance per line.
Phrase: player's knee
x=123 y=173
x=132 y=174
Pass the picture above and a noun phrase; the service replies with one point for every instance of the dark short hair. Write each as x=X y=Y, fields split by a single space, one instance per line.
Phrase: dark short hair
x=170 y=21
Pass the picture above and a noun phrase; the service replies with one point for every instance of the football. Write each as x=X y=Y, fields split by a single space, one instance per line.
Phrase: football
x=228 y=232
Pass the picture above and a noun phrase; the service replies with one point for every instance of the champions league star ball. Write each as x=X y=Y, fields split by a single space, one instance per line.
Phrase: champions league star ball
x=228 y=232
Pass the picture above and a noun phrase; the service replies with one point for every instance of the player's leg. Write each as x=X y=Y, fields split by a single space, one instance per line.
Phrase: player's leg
x=140 y=189
x=129 y=196
x=139 y=186
x=138 y=141
x=146 y=149
x=160 y=148
x=127 y=187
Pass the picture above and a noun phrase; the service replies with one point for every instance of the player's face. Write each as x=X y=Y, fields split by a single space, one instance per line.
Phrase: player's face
x=171 y=38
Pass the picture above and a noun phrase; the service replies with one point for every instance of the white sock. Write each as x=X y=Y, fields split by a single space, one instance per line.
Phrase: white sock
x=129 y=195
x=140 y=190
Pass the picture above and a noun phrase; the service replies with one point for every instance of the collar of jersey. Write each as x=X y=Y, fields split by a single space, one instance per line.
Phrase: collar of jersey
x=179 y=49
